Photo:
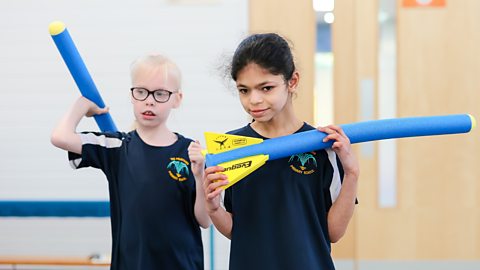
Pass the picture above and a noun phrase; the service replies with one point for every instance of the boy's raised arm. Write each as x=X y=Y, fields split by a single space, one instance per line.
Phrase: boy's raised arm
x=64 y=135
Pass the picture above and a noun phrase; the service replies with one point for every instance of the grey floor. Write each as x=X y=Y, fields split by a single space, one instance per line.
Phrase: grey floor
x=410 y=265
x=340 y=265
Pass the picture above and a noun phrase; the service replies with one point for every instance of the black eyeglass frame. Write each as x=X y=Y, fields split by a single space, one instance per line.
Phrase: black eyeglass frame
x=170 y=93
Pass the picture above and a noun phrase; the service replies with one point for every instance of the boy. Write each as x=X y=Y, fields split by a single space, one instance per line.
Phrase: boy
x=156 y=199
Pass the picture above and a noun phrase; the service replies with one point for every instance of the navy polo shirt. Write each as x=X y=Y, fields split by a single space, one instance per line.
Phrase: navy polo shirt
x=152 y=197
x=280 y=211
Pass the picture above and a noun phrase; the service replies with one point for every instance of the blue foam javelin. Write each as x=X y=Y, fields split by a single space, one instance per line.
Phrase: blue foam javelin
x=312 y=140
x=79 y=72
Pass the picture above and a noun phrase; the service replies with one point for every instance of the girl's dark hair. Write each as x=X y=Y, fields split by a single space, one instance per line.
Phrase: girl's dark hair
x=270 y=51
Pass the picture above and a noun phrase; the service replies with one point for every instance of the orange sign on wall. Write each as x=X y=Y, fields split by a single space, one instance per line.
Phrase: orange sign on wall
x=424 y=3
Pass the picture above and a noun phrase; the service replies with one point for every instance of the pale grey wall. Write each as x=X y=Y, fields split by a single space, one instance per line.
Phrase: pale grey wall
x=36 y=89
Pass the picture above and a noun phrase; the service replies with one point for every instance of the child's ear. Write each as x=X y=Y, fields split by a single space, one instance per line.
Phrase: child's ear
x=293 y=82
x=178 y=99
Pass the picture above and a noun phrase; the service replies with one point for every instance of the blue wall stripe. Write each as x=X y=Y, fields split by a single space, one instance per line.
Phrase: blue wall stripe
x=54 y=209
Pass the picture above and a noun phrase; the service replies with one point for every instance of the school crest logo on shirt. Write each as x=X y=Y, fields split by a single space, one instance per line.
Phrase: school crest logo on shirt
x=305 y=163
x=178 y=169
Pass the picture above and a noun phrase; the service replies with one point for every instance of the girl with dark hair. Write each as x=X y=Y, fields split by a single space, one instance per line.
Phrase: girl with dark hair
x=285 y=214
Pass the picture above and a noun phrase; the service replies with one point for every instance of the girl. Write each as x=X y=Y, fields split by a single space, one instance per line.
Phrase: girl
x=285 y=214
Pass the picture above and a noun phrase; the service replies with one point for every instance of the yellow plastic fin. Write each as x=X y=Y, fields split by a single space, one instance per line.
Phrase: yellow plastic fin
x=219 y=142
x=237 y=169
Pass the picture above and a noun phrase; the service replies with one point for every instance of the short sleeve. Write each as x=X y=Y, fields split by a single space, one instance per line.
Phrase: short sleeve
x=97 y=150
x=332 y=177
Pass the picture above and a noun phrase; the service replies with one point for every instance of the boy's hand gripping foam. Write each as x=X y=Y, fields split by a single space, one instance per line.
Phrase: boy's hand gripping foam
x=241 y=155
x=79 y=72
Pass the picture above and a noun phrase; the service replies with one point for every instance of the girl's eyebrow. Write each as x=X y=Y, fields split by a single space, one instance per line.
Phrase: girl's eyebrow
x=258 y=85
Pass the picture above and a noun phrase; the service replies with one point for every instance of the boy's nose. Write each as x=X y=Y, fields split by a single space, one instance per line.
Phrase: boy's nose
x=150 y=100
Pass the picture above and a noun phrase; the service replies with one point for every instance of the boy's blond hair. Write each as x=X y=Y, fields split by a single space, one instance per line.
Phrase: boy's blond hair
x=154 y=61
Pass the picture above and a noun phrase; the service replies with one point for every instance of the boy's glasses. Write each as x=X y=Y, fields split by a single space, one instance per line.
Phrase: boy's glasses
x=160 y=95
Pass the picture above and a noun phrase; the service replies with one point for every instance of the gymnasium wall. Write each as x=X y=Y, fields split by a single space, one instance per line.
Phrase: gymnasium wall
x=37 y=89
x=434 y=214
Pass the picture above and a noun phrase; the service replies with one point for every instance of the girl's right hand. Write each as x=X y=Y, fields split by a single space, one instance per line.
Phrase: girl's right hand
x=213 y=182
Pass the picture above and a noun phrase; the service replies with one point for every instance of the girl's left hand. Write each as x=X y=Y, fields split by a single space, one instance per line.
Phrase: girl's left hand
x=196 y=157
x=342 y=148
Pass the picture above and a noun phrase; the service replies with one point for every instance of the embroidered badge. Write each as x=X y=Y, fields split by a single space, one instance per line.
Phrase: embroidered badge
x=303 y=163
x=178 y=169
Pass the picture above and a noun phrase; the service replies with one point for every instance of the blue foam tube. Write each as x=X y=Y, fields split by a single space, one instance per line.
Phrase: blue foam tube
x=357 y=132
x=79 y=72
